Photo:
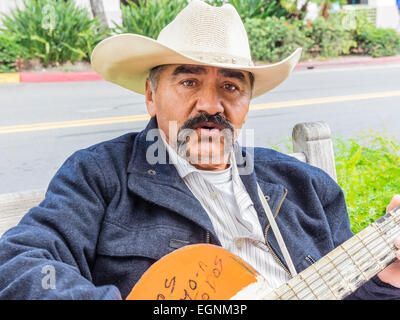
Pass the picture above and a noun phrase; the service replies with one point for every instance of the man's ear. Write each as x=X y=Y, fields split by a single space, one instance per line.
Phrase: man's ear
x=150 y=95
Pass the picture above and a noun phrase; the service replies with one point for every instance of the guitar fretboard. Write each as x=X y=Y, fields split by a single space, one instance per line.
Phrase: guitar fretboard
x=347 y=267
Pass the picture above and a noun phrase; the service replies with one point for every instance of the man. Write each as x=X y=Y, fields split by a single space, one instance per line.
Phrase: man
x=117 y=207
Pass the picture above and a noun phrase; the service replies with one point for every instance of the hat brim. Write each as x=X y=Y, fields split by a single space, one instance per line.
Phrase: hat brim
x=126 y=59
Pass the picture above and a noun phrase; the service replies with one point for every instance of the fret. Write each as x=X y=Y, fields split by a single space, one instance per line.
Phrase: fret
x=381 y=254
x=373 y=267
x=350 y=277
x=286 y=292
x=383 y=229
x=379 y=232
x=366 y=236
x=373 y=241
x=377 y=246
x=305 y=291
x=315 y=284
x=357 y=256
x=272 y=295
x=299 y=287
x=392 y=232
x=332 y=276
x=330 y=292
x=395 y=216
x=387 y=229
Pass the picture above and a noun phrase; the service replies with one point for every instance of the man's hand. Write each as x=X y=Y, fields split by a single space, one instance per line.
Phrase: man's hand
x=391 y=274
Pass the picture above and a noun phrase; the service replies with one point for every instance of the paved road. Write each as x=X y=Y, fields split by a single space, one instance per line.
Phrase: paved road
x=355 y=99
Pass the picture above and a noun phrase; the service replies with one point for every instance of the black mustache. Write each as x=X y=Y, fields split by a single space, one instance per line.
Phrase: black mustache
x=217 y=119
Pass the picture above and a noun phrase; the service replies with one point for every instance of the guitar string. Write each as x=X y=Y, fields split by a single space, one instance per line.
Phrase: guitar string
x=389 y=222
x=346 y=260
x=321 y=279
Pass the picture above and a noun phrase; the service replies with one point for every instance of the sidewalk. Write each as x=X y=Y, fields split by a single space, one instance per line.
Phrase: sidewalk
x=27 y=77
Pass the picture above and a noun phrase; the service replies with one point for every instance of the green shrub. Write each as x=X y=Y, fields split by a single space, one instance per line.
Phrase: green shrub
x=149 y=17
x=54 y=31
x=254 y=8
x=10 y=50
x=272 y=39
x=375 y=41
x=329 y=37
x=368 y=172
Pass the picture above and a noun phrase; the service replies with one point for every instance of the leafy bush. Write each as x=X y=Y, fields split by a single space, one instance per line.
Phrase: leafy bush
x=272 y=39
x=375 y=41
x=54 y=31
x=254 y=8
x=329 y=37
x=149 y=17
x=10 y=51
x=369 y=174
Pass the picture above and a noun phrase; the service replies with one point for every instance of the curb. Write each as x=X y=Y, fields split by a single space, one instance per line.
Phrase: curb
x=345 y=62
x=48 y=77
x=25 y=77
x=59 y=77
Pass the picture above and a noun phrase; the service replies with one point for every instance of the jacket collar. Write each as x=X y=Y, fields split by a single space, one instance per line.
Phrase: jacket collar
x=154 y=178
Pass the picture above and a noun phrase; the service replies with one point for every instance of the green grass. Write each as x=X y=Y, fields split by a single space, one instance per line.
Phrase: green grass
x=368 y=170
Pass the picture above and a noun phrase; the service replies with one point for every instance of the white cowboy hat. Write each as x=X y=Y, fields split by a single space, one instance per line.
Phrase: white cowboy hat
x=200 y=34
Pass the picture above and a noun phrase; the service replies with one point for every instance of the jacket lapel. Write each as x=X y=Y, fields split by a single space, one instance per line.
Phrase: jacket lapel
x=275 y=194
x=249 y=178
x=153 y=178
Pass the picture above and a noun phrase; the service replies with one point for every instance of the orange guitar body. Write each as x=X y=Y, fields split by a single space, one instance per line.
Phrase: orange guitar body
x=194 y=272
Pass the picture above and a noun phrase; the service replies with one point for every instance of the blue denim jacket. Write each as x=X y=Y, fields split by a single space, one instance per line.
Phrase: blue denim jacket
x=109 y=214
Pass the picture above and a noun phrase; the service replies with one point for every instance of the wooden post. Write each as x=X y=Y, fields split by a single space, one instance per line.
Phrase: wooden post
x=108 y=12
x=313 y=139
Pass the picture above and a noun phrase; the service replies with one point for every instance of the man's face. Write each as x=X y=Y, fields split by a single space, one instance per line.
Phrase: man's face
x=201 y=110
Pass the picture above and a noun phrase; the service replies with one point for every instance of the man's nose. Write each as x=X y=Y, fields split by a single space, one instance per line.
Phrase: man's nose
x=209 y=101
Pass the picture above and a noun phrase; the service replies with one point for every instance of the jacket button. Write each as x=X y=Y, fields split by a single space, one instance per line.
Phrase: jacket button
x=151 y=171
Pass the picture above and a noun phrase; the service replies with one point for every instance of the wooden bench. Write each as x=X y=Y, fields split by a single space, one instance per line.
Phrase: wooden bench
x=311 y=143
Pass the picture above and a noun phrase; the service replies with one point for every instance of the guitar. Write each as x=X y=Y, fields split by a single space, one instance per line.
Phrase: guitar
x=208 y=272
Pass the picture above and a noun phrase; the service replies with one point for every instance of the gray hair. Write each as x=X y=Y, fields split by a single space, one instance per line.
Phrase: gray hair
x=154 y=76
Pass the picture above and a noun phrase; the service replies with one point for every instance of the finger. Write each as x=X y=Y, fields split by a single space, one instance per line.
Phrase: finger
x=395 y=202
x=397 y=243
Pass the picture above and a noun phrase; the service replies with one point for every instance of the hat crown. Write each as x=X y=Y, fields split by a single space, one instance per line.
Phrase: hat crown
x=208 y=33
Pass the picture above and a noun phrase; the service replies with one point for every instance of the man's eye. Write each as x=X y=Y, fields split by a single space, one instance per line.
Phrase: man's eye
x=230 y=87
x=188 y=83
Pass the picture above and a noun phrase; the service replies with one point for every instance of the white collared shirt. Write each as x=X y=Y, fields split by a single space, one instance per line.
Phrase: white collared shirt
x=231 y=210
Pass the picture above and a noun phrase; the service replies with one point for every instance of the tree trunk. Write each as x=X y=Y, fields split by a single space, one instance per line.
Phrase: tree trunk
x=98 y=11
x=325 y=8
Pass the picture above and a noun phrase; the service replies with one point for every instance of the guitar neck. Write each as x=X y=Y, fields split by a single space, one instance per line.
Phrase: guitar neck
x=347 y=267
